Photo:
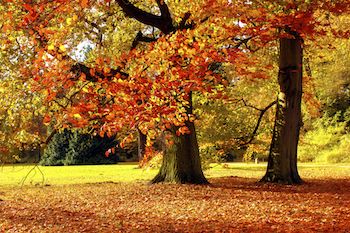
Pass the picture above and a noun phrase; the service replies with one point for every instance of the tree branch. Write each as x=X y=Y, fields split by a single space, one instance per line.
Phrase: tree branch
x=141 y=38
x=164 y=10
x=183 y=24
x=48 y=139
x=262 y=113
x=81 y=68
x=162 y=22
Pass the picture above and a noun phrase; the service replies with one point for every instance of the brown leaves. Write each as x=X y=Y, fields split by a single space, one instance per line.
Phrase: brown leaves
x=228 y=205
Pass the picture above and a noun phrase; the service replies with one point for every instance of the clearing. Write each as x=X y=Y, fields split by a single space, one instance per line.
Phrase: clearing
x=117 y=198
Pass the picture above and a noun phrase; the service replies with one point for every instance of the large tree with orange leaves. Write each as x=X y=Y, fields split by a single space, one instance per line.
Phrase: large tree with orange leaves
x=147 y=86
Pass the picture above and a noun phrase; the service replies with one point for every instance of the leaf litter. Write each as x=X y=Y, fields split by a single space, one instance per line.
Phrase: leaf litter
x=229 y=204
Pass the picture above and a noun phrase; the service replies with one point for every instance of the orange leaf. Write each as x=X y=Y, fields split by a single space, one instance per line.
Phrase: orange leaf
x=84 y=3
x=47 y=119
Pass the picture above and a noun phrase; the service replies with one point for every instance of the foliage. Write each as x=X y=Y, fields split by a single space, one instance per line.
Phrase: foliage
x=56 y=150
x=328 y=141
x=155 y=161
x=116 y=88
x=125 y=86
x=71 y=148
x=229 y=123
x=256 y=152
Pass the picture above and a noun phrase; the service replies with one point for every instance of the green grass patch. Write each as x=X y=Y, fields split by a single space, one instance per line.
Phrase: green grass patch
x=16 y=175
x=58 y=175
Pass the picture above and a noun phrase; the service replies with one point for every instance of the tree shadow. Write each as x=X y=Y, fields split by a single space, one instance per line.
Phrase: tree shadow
x=330 y=186
x=247 y=168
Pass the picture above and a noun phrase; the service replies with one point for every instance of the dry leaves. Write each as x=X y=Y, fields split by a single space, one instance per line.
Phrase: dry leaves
x=228 y=205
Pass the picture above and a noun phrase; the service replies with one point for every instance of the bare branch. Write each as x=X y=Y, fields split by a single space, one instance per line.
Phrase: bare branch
x=141 y=38
x=183 y=24
x=261 y=115
x=162 y=22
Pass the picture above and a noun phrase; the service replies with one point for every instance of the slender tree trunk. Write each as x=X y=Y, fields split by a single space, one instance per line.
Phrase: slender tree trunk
x=282 y=161
x=141 y=144
x=181 y=161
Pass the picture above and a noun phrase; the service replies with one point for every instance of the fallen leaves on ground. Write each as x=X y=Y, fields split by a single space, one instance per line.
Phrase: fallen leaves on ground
x=229 y=204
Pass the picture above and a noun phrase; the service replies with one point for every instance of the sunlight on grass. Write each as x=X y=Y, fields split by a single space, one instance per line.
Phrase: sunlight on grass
x=13 y=175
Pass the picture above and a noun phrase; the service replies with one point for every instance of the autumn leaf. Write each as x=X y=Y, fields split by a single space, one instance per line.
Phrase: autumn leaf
x=84 y=3
x=77 y=116
x=62 y=48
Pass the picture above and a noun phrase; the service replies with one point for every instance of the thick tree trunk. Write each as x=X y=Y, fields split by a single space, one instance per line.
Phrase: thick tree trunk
x=282 y=161
x=181 y=161
x=141 y=144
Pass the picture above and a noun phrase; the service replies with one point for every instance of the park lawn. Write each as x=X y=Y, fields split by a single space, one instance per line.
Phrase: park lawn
x=18 y=175
x=117 y=198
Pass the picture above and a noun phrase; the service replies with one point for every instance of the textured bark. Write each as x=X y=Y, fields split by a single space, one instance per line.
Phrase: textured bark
x=181 y=161
x=282 y=161
x=141 y=147
x=163 y=22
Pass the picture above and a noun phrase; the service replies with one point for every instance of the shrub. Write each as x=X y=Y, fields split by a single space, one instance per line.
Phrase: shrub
x=56 y=150
x=328 y=141
x=71 y=148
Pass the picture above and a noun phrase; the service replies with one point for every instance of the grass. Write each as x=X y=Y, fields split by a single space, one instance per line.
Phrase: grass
x=15 y=175
x=57 y=175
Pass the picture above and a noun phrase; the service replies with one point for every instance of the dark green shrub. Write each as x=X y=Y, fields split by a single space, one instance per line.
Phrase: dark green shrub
x=56 y=150
x=72 y=148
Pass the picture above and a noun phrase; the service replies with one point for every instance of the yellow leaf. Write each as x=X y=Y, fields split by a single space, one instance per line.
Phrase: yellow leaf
x=51 y=47
x=62 y=48
x=75 y=17
x=69 y=21
x=77 y=115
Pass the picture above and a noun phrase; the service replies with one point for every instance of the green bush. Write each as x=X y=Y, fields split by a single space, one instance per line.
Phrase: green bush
x=339 y=153
x=56 y=150
x=328 y=141
x=72 y=148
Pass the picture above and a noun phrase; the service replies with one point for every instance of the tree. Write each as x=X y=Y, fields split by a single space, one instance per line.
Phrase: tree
x=147 y=87
x=291 y=22
x=282 y=161
x=21 y=126
x=181 y=162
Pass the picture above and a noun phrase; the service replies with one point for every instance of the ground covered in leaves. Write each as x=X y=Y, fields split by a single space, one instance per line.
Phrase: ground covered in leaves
x=229 y=204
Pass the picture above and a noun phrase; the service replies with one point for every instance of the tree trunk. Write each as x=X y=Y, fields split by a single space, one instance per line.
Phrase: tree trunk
x=181 y=161
x=282 y=161
x=141 y=144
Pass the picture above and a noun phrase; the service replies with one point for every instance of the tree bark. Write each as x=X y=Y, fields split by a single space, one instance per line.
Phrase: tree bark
x=181 y=161
x=282 y=160
x=141 y=147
